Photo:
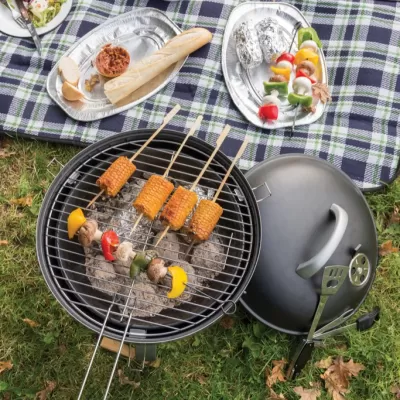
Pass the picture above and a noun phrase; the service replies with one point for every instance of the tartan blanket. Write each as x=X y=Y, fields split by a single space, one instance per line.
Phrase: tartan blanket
x=358 y=133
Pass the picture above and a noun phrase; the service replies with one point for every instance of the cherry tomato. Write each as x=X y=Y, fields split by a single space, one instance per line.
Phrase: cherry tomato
x=268 y=112
x=286 y=57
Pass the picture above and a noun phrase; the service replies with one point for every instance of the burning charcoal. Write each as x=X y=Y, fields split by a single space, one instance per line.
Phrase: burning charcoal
x=144 y=299
x=102 y=276
x=247 y=46
x=210 y=255
x=271 y=38
x=170 y=247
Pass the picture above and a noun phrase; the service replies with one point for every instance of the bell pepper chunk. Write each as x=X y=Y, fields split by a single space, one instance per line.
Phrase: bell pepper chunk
x=179 y=280
x=280 y=87
x=109 y=244
x=308 y=34
x=303 y=74
x=300 y=99
x=75 y=221
x=285 y=72
x=306 y=54
x=141 y=262
x=268 y=112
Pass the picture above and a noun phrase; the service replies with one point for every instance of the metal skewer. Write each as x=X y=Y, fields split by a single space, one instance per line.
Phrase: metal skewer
x=219 y=142
x=167 y=118
x=191 y=132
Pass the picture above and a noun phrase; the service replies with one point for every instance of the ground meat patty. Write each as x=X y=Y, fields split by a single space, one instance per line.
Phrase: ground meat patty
x=144 y=299
x=170 y=247
x=208 y=258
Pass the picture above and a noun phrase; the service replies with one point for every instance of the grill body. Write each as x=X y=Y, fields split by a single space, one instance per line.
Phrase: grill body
x=62 y=261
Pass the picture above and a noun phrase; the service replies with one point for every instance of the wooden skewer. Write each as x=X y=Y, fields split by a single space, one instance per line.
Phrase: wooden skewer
x=167 y=118
x=191 y=132
x=238 y=155
x=220 y=140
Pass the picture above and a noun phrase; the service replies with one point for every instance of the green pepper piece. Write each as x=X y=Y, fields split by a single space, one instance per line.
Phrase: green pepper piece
x=134 y=270
x=308 y=34
x=280 y=87
x=299 y=99
x=141 y=261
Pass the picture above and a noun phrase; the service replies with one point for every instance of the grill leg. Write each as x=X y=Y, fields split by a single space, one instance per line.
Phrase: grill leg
x=146 y=352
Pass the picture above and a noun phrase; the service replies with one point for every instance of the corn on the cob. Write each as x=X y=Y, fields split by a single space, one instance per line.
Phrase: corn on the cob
x=116 y=175
x=153 y=195
x=204 y=219
x=178 y=208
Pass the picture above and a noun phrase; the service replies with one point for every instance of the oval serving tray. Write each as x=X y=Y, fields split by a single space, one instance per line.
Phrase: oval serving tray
x=142 y=32
x=246 y=87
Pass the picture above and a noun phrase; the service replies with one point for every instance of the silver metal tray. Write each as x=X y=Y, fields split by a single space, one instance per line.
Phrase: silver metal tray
x=142 y=32
x=246 y=86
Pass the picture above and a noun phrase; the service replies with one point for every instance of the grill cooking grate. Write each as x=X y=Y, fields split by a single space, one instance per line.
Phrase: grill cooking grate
x=210 y=294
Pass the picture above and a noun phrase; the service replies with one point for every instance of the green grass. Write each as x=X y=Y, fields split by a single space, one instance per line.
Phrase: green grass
x=217 y=363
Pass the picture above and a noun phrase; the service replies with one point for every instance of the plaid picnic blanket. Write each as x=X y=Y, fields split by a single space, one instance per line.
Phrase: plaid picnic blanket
x=358 y=133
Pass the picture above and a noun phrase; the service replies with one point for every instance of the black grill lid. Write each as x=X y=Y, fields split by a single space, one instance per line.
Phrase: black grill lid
x=297 y=223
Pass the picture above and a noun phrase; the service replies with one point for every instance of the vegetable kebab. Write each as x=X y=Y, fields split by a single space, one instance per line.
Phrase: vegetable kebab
x=118 y=173
x=306 y=60
x=157 y=189
x=184 y=200
x=208 y=212
x=277 y=86
x=88 y=232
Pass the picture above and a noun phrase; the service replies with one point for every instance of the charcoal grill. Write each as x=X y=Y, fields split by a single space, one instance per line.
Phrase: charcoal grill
x=62 y=261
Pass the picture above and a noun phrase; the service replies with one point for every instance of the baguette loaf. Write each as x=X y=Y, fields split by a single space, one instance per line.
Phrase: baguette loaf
x=148 y=68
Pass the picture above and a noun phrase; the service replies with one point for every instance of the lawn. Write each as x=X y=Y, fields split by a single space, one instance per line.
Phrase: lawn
x=226 y=361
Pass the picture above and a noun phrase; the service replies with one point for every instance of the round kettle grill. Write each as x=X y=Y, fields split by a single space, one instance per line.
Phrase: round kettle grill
x=62 y=261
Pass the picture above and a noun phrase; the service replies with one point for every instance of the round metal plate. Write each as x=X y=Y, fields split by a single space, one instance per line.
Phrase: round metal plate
x=360 y=270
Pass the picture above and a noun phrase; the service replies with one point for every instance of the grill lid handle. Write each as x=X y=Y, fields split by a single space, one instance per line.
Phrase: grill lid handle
x=309 y=268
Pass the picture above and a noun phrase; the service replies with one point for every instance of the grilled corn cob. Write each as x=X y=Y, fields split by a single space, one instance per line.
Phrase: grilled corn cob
x=204 y=219
x=153 y=195
x=116 y=175
x=178 y=208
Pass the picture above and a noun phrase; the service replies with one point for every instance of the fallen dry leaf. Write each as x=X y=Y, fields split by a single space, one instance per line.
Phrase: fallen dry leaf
x=395 y=389
x=23 y=201
x=4 y=153
x=3 y=242
x=202 y=379
x=50 y=386
x=395 y=217
x=7 y=396
x=316 y=385
x=227 y=322
x=156 y=363
x=274 y=396
x=5 y=366
x=324 y=364
x=307 y=394
x=62 y=348
x=338 y=375
x=387 y=248
x=321 y=91
x=124 y=380
x=271 y=377
x=31 y=323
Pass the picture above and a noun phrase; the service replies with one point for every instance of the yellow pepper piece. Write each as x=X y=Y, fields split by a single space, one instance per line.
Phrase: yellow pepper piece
x=282 y=71
x=75 y=220
x=179 y=280
x=306 y=54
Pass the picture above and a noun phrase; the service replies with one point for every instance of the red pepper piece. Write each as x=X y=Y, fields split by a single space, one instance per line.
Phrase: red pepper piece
x=302 y=73
x=285 y=57
x=268 y=112
x=109 y=244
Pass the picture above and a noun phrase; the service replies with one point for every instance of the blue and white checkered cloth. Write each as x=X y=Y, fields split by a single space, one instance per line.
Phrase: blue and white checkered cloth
x=358 y=133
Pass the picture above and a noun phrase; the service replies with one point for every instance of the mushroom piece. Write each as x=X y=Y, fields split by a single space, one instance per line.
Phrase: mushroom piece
x=308 y=66
x=309 y=44
x=277 y=78
x=156 y=270
x=272 y=99
x=302 y=85
x=125 y=252
x=88 y=232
